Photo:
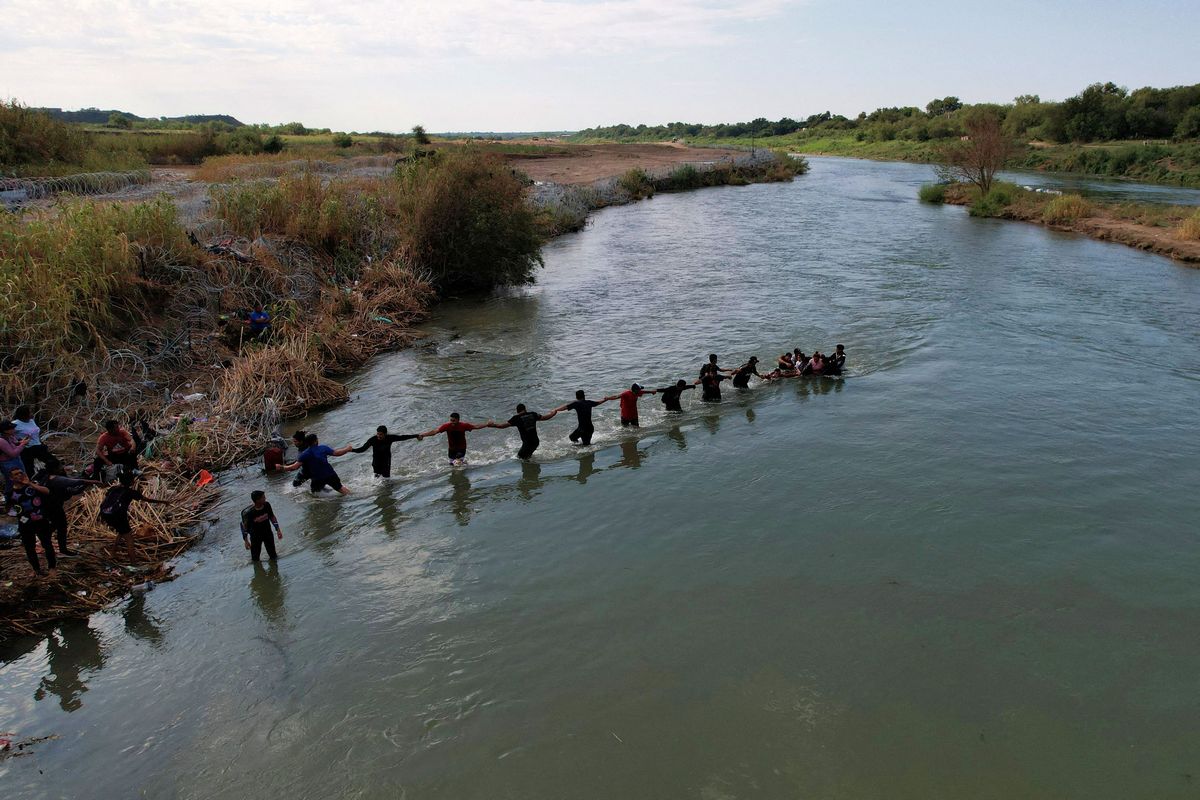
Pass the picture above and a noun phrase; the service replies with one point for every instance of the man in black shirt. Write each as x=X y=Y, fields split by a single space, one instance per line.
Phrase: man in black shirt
x=741 y=377
x=380 y=446
x=583 y=409
x=526 y=424
x=257 y=521
x=670 y=394
x=62 y=489
x=710 y=379
x=834 y=364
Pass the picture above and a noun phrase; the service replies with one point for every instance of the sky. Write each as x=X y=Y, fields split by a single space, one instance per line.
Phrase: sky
x=539 y=65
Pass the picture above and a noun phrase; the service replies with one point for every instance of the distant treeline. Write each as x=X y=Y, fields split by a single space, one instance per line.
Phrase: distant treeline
x=98 y=116
x=1100 y=113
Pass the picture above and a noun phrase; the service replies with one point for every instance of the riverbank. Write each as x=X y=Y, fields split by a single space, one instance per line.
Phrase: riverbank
x=1172 y=231
x=1158 y=162
x=141 y=300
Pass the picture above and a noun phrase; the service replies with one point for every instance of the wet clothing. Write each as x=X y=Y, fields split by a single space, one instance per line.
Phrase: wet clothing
x=741 y=378
x=114 y=509
x=629 y=398
x=710 y=382
x=315 y=462
x=817 y=366
x=381 y=452
x=526 y=425
x=834 y=364
x=456 y=438
x=670 y=396
x=256 y=529
x=584 y=430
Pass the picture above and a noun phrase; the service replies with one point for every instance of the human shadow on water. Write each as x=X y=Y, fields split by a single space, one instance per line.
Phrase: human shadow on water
x=390 y=513
x=531 y=480
x=460 y=495
x=675 y=434
x=73 y=651
x=266 y=588
x=631 y=454
x=139 y=623
x=587 y=467
x=711 y=417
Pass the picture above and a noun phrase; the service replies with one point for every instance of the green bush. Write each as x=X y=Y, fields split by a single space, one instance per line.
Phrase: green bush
x=273 y=144
x=342 y=140
x=637 y=183
x=932 y=193
x=465 y=221
x=999 y=198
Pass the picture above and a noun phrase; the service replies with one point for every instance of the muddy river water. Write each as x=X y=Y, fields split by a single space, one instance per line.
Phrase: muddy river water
x=968 y=569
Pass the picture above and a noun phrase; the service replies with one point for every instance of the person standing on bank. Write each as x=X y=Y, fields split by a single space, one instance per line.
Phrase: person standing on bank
x=114 y=510
x=62 y=489
x=380 y=446
x=525 y=422
x=583 y=410
x=35 y=450
x=30 y=500
x=257 y=520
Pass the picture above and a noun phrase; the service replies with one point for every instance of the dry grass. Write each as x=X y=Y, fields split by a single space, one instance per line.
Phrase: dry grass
x=1066 y=208
x=95 y=578
x=1189 y=229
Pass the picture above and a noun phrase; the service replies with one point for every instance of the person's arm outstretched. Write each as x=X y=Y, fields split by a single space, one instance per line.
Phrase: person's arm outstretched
x=364 y=448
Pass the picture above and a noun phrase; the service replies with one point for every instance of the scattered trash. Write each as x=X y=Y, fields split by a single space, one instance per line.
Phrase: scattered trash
x=204 y=478
x=383 y=319
x=194 y=398
x=141 y=588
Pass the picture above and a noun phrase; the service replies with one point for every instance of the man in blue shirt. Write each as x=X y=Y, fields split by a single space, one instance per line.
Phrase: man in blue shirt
x=260 y=323
x=315 y=460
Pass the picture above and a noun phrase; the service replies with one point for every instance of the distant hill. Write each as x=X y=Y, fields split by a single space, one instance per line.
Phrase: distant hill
x=99 y=116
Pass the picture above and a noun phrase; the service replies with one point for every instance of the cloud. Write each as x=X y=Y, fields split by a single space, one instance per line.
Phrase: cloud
x=196 y=31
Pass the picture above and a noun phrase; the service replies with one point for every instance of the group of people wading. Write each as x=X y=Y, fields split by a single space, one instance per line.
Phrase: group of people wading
x=312 y=463
x=37 y=499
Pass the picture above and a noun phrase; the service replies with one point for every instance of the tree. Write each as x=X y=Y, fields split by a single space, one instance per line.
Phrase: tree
x=119 y=120
x=980 y=154
x=342 y=140
x=418 y=132
x=936 y=108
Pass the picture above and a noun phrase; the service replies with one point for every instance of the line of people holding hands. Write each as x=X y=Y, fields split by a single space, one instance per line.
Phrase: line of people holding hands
x=312 y=463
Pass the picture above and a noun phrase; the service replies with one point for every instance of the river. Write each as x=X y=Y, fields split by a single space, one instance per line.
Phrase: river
x=968 y=569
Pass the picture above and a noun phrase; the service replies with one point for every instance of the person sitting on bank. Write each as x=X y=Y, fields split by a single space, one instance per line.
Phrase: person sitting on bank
x=259 y=323
x=257 y=520
x=115 y=448
x=380 y=446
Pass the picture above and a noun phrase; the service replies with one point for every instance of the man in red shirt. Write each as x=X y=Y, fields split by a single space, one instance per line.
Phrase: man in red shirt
x=115 y=447
x=629 y=398
x=456 y=436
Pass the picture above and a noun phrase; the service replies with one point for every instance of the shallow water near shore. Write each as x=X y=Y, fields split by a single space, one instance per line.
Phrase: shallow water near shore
x=967 y=569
